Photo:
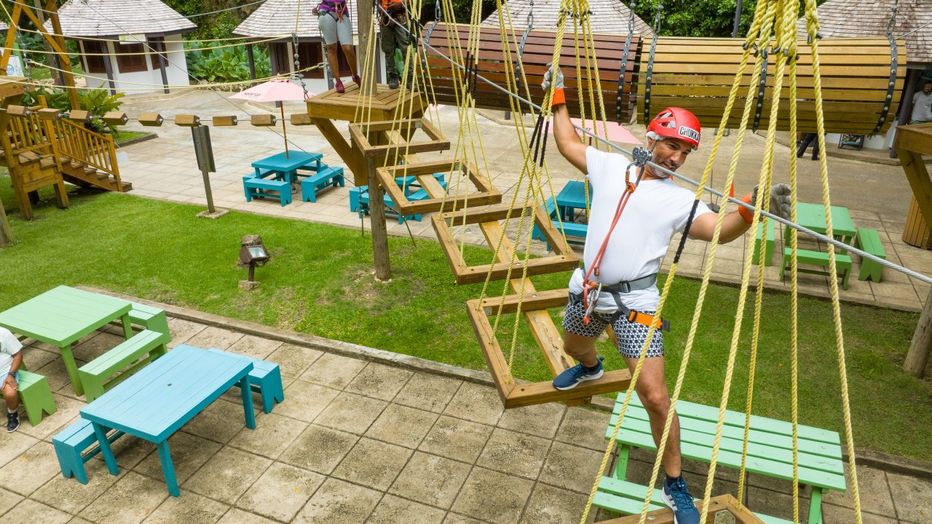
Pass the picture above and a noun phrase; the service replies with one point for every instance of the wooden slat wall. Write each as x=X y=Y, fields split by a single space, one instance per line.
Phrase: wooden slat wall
x=697 y=73
x=538 y=52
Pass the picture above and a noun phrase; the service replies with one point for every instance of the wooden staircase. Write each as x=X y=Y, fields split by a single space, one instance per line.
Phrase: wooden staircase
x=42 y=152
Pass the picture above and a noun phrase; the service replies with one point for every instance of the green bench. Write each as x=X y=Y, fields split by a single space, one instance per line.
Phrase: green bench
x=816 y=258
x=151 y=318
x=770 y=454
x=36 y=396
x=120 y=362
x=769 y=243
x=869 y=240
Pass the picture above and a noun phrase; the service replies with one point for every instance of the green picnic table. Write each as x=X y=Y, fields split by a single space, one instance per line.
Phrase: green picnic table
x=62 y=316
x=812 y=216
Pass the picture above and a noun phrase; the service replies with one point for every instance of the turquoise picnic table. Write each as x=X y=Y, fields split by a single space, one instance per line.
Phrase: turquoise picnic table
x=163 y=396
x=286 y=166
x=572 y=198
x=62 y=316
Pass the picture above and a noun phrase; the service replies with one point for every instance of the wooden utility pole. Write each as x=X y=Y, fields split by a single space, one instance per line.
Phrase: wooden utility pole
x=918 y=355
x=6 y=235
x=364 y=15
x=376 y=194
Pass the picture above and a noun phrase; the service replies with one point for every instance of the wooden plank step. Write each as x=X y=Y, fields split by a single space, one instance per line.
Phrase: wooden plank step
x=47 y=161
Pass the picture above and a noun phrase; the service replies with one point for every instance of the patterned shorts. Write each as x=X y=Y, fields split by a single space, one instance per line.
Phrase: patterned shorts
x=630 y=335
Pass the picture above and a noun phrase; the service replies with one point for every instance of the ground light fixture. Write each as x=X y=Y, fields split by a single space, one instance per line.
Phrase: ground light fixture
x=252 y=253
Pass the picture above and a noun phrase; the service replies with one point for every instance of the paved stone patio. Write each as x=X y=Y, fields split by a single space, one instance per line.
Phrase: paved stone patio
x=877 y=195
x=358 y=439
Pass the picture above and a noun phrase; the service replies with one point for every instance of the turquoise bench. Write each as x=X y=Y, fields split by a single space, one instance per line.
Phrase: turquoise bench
x=265 y=378
x=869 y=240
x=36 y=396
x=359 y=197
x=151 y=318
x=77 y=444
x=571 y=230
x=770 y=454
x=769 y=244
x=261 y=174
x=120 y=362
x=816 y=258
x=256 y=187
x=327 y=177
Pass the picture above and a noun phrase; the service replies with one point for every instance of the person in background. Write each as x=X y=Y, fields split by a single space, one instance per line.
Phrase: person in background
x=808 y=138
x=393 y=37
x=333 y=20
x=11 y=358
x=922 y=104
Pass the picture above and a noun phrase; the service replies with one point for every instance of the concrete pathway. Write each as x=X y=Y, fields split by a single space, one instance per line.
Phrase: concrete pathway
x=357 y=439
x=877 y=195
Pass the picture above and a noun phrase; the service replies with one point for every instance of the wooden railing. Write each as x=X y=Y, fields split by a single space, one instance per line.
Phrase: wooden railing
x=29 y=133
x=86 y=146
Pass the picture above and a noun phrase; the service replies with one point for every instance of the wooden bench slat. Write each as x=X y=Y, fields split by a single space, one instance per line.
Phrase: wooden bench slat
x=781 y=427
x=732 y=459
x=637 y=419
x=735 y=444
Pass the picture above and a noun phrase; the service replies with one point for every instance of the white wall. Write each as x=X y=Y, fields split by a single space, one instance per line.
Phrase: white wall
x=149 y=80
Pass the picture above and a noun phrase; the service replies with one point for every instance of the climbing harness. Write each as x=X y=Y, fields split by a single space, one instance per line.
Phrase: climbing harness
x=591 y=287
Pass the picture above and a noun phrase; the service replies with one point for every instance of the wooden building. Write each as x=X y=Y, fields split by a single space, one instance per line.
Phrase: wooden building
x=282 y=20
x=913 y=23
x=117 y=40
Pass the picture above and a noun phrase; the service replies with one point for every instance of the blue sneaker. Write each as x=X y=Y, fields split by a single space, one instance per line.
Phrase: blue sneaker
x=676 y=495
x=571 y=377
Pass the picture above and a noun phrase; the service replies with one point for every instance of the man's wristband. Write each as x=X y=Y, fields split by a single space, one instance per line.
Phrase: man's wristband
x=747 y=214
x=559 y=97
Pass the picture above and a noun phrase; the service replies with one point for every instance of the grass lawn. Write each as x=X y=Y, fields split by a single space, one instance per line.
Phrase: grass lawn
x=320 y=281
x=121 y=137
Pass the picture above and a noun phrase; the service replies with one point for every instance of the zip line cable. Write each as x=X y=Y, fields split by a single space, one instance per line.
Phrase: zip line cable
x=684 y=178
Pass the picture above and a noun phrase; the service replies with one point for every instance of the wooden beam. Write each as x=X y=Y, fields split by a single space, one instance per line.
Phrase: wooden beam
x=11 y=35
x=350 y=156
x=918 y=355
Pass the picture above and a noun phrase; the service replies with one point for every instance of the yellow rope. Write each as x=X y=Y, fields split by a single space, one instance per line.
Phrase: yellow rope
x=812 y=29
x=760 y=16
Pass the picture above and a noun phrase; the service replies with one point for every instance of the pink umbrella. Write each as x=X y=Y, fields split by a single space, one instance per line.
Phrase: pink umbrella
x=274 y=91
x=616 y=132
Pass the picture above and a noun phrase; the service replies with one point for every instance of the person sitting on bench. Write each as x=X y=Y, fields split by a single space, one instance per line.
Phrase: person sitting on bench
x=11 y=358
x=618 y=287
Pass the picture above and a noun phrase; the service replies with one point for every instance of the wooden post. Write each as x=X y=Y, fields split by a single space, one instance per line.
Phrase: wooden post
x=163 y=59
x=68 y=77
x=108 y=67
x=377 y=224
x=6 y=235
x=364 y=14
x=918 y=355
x=251 y=59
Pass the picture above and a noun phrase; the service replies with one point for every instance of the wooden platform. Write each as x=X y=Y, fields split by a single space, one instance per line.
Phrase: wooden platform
x=534 y=307
x=439 y=200
x=488 y=218
x=12 y=86
x=342 y=106
x=326 y=107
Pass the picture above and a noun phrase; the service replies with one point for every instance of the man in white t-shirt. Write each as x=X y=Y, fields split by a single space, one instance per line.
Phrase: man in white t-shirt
x=11 y=358
x=628 y=258
x=922 y=105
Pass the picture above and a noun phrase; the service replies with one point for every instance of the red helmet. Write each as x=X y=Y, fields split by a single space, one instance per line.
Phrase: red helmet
x=675 y=122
